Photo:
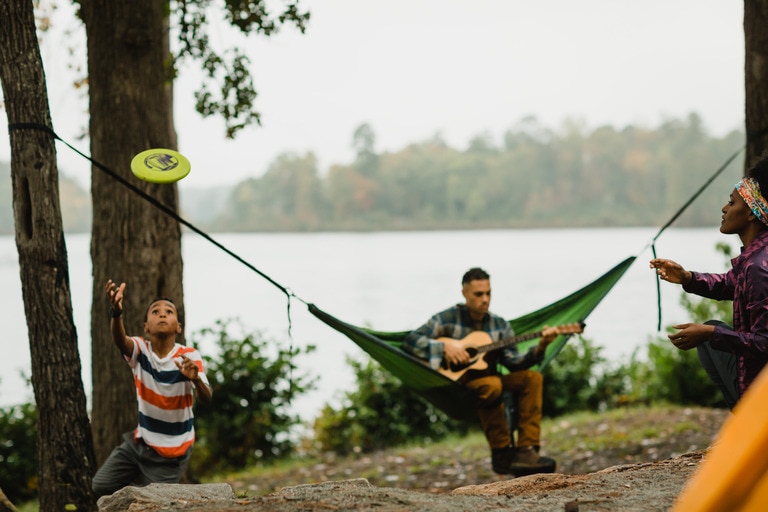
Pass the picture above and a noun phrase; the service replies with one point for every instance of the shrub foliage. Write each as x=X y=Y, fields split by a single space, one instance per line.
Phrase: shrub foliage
x=254 y=382
x=18 y=452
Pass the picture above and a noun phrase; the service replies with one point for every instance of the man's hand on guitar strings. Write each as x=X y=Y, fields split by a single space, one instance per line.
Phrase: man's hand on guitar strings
x=455 y=353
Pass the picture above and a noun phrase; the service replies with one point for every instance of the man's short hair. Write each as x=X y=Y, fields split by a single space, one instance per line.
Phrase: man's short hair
x=157 y=299
x=475 y=274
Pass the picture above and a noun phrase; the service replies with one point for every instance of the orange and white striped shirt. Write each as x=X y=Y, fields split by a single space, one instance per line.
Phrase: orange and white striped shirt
x=165 y=397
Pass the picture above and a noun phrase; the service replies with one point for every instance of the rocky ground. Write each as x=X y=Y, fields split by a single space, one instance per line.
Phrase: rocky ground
x=633 y=460
x=640 y=435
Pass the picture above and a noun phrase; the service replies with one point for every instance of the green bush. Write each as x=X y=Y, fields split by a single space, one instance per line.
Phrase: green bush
x=678 y=377
x=247 y=421
x=381 y=412
x=18 y=452
x=579 y=379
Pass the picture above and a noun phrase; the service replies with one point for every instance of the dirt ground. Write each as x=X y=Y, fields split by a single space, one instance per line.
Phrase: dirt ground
x=638 y=461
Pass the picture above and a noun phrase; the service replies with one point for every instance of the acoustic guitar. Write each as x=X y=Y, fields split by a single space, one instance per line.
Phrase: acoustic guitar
x=479 y=343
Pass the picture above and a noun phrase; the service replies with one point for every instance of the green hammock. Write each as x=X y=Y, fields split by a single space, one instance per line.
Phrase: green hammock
x=446 y=394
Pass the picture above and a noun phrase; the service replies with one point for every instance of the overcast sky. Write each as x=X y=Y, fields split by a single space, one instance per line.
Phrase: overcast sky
x=415 y=68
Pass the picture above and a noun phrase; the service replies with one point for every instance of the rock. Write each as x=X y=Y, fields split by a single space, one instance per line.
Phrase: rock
x=178 y=496
x=300 y=491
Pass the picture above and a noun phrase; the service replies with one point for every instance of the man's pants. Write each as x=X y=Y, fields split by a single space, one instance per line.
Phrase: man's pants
x=135 y=462
x=528 y=386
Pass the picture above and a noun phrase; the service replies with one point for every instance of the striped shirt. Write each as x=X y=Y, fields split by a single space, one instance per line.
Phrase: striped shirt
x=165 y=397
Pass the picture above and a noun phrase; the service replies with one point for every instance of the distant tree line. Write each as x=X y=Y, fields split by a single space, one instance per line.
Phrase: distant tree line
x=535 y=177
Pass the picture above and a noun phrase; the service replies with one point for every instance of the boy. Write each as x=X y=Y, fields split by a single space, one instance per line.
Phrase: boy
x=167 y=377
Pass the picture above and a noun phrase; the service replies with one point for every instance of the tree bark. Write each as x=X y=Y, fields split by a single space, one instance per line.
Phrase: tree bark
x=132 y=241
x=65 y=448
x=756 y=78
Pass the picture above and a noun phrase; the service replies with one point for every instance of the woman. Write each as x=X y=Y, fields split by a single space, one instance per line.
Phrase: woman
x=732 y=356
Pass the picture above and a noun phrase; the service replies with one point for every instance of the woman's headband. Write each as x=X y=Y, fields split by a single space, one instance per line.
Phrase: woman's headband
x=749 y=190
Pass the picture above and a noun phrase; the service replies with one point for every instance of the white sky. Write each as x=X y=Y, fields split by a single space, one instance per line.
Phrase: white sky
x=460 y=68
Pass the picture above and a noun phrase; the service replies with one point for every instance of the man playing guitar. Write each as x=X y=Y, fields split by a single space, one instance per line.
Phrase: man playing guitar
x=440 y=342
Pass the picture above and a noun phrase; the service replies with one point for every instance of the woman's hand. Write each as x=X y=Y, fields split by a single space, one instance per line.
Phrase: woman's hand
x=671 y=271
x=691 y=335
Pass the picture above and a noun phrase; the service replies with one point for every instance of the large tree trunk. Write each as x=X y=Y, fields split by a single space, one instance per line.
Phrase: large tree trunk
x=132 y=241
x=756 y=77
x=65 y=448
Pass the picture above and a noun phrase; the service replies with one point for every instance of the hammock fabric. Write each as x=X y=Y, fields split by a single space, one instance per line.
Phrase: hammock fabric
x=447 y=395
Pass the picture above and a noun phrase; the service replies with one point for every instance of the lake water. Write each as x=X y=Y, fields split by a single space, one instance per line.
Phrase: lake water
x=387 y=281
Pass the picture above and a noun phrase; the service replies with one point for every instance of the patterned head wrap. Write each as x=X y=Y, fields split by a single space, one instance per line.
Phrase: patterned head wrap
x=749 y=190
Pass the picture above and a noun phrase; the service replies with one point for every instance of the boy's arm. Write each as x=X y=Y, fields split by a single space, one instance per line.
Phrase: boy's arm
x=204 y=393
x=116 y=327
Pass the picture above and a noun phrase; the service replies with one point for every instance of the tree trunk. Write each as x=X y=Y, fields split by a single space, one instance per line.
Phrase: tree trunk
x=132 y=241
x=65 y=447
x=756 y=77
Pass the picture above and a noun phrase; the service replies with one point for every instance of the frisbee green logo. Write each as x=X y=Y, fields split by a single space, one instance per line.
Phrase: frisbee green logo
x=160 y=166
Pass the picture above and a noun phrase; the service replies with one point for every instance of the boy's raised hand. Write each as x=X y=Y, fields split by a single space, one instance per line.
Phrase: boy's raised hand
x=115 y=294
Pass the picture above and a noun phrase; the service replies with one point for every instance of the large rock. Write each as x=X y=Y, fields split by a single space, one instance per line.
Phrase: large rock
x=168 y=496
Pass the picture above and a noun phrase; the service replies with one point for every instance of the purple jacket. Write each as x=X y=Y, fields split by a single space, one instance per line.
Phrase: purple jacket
x=747 y=285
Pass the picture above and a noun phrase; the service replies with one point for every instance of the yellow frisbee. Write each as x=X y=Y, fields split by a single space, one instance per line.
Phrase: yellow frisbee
x=160 y=165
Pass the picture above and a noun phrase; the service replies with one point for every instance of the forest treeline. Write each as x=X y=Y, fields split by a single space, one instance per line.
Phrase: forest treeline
x=535 y=177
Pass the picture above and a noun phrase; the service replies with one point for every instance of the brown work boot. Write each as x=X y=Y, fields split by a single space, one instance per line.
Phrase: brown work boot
x=501 y=458
x=526 y=456
x=528 y=462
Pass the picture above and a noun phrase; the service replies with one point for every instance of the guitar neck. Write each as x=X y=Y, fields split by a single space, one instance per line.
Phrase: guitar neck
x=508 y=342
